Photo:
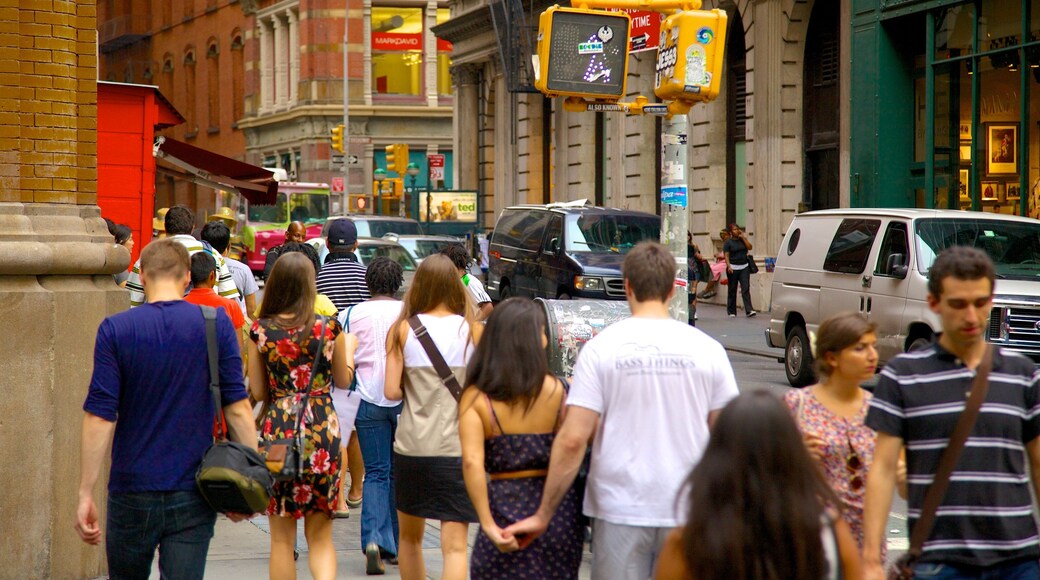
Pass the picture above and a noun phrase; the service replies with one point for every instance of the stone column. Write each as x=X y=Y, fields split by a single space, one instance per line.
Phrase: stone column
x=366 y=62
x=466 y=158
x=294 y=55
x=281 y=66
x=56 y=261
x=430 y=53
x=265 y=39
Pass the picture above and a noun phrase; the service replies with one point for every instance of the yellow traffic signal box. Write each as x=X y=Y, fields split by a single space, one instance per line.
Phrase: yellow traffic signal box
x=397 y=158
x=690 y=56
x=337 y=138
x=582 y=53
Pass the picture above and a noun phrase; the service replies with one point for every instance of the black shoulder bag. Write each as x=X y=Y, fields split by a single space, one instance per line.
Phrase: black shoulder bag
x=232 y=477
x=284 y=457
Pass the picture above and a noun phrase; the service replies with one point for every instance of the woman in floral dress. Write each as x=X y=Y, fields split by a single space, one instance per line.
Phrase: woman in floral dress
x=282 y=355
x=831 y=413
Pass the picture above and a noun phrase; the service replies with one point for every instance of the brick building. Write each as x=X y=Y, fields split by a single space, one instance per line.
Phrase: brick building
x=194 y=51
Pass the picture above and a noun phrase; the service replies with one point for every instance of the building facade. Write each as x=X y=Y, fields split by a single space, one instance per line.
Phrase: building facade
x=775 y=142
x=399 y=88
x=956 y=121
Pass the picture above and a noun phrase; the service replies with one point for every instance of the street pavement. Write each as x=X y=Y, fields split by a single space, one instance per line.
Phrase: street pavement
x=241 y=550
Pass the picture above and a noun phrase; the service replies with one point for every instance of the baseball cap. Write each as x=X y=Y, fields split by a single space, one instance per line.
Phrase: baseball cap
x=342 y=232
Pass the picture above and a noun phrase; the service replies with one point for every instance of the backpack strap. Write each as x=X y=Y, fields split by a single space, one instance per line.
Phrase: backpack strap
x=209 y=315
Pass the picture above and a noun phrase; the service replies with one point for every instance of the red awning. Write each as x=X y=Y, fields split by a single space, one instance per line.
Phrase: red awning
x=206 y=168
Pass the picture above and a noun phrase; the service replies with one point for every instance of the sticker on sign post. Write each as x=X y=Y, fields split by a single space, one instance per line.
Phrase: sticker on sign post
x=674 y=195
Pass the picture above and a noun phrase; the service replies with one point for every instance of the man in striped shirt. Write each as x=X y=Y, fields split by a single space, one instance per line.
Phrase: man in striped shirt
x=984 y=527
x=342 y=277
x=180 y=222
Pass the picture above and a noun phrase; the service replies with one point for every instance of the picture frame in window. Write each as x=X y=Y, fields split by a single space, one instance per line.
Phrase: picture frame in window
x=965 y=151
x=965 y=130
x=963 y=185
x=990 y=190
x=1001 y=148
x=1013 y=191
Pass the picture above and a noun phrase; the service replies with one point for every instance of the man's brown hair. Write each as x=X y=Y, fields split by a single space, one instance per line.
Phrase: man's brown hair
x=165 y=259
x=962 y=263
x=650 y=271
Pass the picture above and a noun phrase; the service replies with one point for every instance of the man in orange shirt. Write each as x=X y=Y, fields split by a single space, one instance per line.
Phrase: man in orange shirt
x=203 y=279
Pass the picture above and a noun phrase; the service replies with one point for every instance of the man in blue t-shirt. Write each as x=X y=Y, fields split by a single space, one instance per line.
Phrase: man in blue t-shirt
x=149 y=395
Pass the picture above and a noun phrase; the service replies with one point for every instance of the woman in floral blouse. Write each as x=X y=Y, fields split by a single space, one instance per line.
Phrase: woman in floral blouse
x=283 y=354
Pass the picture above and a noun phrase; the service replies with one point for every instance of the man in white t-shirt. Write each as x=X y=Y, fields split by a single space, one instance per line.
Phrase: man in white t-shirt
x=648 y=387
x=460 y=257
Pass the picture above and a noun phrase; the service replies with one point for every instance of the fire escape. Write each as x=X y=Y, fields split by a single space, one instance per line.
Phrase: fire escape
x=516 y=26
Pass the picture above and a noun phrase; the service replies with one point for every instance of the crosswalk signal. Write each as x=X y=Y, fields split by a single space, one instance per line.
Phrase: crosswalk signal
x=397 y=158
x=337 y=138
x=690 y=56
x=582 y=53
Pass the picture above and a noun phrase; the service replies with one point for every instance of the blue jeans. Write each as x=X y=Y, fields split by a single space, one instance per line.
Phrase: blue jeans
x=1021 y=570
x=179 y=523
x=375 y=428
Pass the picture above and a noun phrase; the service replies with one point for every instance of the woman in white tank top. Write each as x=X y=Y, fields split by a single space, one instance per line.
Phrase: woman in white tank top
x=427 y=454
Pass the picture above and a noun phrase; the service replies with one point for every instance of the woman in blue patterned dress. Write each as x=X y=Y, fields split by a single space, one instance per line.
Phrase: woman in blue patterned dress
x=507 y=421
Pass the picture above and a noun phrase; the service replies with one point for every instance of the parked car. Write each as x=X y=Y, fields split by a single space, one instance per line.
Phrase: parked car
x=569 y=250
x=420 y=246
x=876 y=261
x=370 y=248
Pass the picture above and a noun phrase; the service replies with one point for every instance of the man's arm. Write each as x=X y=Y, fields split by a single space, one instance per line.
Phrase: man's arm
x=484 y=310
x=1033 y=449
x=241 y=428
x=568 y=450
x=95 y=438
x=880 y=486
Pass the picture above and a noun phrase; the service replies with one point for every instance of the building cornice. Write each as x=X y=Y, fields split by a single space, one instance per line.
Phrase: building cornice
x=465 y=25
x=306 y=111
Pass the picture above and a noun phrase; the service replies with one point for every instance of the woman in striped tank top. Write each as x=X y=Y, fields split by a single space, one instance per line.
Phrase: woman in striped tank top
x=427 y=460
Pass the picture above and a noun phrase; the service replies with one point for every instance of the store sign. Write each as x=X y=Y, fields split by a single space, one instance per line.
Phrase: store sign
x=390 y=41
x=450 y=206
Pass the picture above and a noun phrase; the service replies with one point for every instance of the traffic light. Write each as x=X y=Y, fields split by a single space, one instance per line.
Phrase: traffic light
x=690 y=56
x=397 y=158
x=582 y=53
x=337 y=138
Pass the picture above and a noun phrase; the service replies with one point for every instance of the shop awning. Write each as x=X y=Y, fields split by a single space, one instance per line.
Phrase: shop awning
x=209 y=169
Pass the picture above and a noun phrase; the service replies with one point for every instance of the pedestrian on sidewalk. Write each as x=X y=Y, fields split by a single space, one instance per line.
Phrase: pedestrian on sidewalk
x=427 y=453
x=460 y=257
x=831 y=413
x=758 y=509
x=984 y=526
x=647 y=388
x=295 y=238
x=203 y=279
x=149 y=397
x=509 y=416
x=180 y=223
x=283 y=356
x=377 y=416
x=738 y=270
x=698 y=270
x=218 y=235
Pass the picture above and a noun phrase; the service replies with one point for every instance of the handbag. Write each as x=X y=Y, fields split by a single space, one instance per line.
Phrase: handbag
x=284 y=457
x=752 y=266
x=903 y=568
x=232 y=477
x=436 y=358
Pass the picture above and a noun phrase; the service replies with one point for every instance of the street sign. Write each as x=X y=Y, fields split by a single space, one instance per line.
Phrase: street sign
x=436 y=164
x=645 y=30
x=360 y=139
x=337 y=185
x=661 y=110
x=353 y=160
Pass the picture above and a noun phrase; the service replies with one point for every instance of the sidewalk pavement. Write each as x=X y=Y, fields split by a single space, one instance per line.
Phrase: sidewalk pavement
x=242 y=550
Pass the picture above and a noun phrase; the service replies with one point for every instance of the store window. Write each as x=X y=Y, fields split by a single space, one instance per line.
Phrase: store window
x=443 y=58
x=397 y=51
x=982 y=142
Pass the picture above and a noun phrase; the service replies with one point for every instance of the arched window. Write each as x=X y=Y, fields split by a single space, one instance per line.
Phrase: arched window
x=191 y=89
x=237 y=75
x=213 y=85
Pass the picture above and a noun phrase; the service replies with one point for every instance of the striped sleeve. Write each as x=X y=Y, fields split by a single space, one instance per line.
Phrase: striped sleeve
x=886 y=412
x=225 y=281
x=133 y=284
x=1031 y=422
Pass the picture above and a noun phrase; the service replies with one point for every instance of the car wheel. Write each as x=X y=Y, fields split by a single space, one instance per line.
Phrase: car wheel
x=505 y=292
x=798 y=358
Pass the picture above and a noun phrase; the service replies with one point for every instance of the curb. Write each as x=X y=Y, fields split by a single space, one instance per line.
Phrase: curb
x=778 y=357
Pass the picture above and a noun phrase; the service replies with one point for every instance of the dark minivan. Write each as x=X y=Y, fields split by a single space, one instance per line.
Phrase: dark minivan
x=564 y=250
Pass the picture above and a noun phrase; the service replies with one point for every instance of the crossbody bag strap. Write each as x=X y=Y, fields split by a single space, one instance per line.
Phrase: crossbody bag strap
x=346 y=323
x=302 y=409
x=209 y=314
x=937 y=490
x=436 y=358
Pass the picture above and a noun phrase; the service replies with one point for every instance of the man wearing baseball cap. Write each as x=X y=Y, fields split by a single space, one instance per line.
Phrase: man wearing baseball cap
x=342 y=277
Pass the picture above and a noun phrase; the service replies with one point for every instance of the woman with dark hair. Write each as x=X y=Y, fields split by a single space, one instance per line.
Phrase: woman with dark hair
x=427 y=453
x=123 y=236
x=507 y=422
x=738 y=270
x=377 y=416
x=758 y=506
x=284 y=363
x=831 y=413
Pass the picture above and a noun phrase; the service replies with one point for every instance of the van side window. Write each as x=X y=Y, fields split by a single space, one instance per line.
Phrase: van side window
x=534 y=230
x=895 y=252
x=792 y=242
x=509 y=228
x=851 y=245
x=554 y=232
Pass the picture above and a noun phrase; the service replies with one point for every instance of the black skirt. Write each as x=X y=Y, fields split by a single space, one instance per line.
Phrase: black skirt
x=433 y=488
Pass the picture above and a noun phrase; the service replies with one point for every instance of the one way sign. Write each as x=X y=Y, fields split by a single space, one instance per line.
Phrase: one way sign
x=645 y=30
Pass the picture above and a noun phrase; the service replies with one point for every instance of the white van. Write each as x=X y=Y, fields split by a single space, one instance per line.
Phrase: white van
x=876 y=261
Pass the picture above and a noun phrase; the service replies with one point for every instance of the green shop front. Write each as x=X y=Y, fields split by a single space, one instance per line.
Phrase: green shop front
x=945 y=106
